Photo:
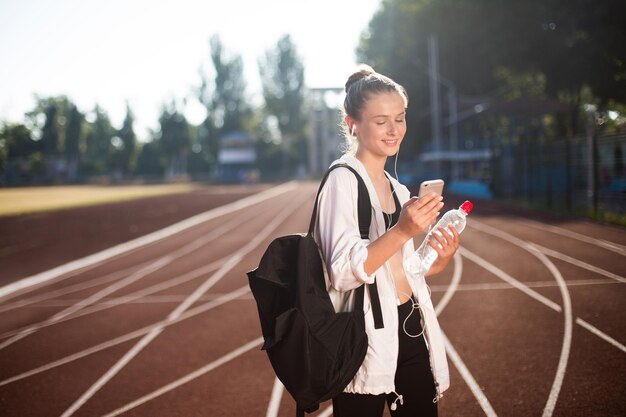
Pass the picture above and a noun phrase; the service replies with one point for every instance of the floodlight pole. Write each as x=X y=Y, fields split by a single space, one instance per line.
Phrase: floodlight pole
x=435 y=108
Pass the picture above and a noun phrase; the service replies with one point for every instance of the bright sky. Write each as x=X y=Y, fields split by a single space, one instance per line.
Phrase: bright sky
x=150 y=51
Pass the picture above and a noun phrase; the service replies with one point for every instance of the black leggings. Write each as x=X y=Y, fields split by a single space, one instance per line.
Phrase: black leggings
x=413 y=380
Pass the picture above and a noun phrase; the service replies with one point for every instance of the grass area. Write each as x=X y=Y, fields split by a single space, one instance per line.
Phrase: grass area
x=37 y=199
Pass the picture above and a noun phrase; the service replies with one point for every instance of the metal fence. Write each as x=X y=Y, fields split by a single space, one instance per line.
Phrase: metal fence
x=583 y=175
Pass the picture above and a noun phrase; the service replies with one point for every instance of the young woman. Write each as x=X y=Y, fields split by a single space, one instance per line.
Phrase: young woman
x=405 y=365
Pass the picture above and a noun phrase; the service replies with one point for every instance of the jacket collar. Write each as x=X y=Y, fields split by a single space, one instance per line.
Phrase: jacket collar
x=356 y=164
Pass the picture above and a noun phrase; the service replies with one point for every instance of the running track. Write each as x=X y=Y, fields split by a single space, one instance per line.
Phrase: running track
x=165 y=325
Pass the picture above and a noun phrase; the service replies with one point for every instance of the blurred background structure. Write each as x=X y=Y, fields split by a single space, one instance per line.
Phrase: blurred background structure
x=518 y=101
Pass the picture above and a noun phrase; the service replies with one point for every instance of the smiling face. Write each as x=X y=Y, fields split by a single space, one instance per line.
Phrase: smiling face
x=381 y=125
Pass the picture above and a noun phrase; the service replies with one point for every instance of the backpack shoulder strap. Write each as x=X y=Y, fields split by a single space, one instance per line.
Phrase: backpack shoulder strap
x=365 y=219
x=364 y=203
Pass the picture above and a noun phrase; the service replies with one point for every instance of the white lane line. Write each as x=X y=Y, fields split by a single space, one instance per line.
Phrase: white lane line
x=96 y=258
x=92 y=299
x=150 y=299
x=22 y=333
x=469 y=379
x=277 y=394
x=568 y=318
x=454 y=284
x=110 y=303
x=83 y=285
x=328 y=412
x=256 y=343
x=490 y=286
x=580 y=264
x=233 y=261
x=467 y=376
x=234 y=295
x=509 y=279
x=612 y=246
x=600 y=334
x=538 y=297
x=567 y=328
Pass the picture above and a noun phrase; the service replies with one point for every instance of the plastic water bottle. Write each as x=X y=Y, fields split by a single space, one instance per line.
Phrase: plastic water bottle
x=456 y=218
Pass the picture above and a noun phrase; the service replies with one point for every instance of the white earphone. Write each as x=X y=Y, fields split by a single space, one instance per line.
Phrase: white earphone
x=352 y=130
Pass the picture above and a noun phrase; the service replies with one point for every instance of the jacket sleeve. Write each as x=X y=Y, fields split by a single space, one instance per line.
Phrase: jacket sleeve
x=338 y=232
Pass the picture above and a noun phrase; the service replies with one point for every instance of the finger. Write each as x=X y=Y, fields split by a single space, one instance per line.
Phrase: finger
x=454 y=232
x=447 y=232
x=436 y=247
x=439 y=238
x=453 y=240
x=456 y=239
x=426 y=200
x=411 y=201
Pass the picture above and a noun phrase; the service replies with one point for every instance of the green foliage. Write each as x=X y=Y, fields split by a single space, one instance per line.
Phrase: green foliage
x=282 y=77
x=73 y=133
x=3 y=160
x=149 y=161
x=37 y=164
x=174 y=140
x=98 y=145
x=223 y=96
x=17 y=141
x=50 y=133
x=127 y=153
x=515 y=48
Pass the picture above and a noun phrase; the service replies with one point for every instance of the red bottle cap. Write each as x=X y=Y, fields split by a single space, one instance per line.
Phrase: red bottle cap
x=466 y=207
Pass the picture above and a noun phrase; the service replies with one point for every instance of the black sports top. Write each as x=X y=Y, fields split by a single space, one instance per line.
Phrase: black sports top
x=396 y=214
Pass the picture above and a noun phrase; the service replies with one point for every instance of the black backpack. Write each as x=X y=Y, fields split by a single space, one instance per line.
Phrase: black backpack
x=314 y=351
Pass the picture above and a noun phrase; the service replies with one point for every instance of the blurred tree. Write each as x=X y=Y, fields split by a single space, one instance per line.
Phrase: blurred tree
x=16 y=147
x=48 y=123
x=3 y=161
x=488 y=45
x=282 y=77
x=72 y=145
x=16 y=139
x=223 y=97
x=73 y=136
x=127 y=152
x=149 y=161
x=50 y=131
x=174 y=140
x=98 y=145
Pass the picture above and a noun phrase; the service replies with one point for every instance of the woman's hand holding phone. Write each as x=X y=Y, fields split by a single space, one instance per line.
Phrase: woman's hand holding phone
x=418 y=214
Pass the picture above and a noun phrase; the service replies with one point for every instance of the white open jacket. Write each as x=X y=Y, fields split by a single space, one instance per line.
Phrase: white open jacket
x=337 y=234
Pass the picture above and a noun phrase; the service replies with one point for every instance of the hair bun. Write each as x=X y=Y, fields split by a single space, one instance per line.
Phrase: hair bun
x=362 y=71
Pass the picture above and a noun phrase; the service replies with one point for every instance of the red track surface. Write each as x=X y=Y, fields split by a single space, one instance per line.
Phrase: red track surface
x=532 y=308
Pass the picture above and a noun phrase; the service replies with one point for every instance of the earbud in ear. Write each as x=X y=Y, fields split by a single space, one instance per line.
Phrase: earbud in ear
x=352 y=130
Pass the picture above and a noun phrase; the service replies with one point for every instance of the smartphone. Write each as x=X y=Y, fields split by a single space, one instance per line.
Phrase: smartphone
x=435 y=186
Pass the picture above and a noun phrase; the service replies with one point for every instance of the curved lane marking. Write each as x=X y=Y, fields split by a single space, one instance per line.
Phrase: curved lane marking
x=469 y=379
x=277 y=394
x=580 y=264
x=612 y=246
x=567 y=309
